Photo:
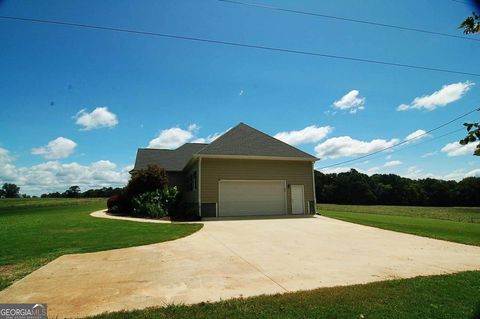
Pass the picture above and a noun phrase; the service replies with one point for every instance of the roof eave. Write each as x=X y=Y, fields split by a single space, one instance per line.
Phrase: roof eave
x=257 y=157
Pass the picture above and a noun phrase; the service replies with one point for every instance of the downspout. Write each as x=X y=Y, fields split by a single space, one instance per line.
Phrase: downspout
x=200 y=186
x=314 y=193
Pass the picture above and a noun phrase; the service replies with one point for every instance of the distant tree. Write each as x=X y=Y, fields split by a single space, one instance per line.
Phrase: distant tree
x=471 y=24
x=468 y=191
x=389 y=189
x=10 y=190
x=72 y=192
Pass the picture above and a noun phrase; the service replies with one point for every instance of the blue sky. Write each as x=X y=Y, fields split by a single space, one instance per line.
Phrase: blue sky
x=53 y=77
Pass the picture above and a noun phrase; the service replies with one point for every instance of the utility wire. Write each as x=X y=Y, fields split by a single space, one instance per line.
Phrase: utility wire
x=418 y=144
x=320 y=15
x=402 y=142
x=237 y=44
x=459 y=1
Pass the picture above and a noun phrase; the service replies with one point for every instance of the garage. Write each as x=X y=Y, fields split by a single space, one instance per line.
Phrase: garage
x=251 y=197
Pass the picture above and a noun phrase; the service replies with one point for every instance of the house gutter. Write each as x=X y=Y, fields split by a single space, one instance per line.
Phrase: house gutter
x=199 y=190
x=308 y=159
x=314 y=192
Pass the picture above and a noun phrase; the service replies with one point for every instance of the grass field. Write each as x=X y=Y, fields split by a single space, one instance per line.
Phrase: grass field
x=423 y=221
x=451 y=296
x=36 y=231
x=457 y=214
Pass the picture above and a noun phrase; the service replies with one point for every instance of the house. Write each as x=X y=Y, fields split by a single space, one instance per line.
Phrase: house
x=244 y=172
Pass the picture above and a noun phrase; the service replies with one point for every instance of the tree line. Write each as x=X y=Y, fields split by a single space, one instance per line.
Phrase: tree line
x=10 y=190
x=354 y=187
x=75 y=192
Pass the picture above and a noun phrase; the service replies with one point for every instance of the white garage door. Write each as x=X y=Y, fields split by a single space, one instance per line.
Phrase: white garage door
x=255 y=197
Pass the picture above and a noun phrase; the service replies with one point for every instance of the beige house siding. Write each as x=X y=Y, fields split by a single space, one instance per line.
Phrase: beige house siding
x=294 y=172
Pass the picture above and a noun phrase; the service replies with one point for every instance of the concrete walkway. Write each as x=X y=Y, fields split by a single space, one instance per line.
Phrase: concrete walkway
x=236 y=258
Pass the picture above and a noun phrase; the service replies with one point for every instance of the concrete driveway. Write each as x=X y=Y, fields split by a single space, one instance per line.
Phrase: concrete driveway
x=236 y=258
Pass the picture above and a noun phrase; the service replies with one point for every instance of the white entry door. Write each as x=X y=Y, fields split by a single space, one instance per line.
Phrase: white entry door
x=297 y=199
x=251 y=197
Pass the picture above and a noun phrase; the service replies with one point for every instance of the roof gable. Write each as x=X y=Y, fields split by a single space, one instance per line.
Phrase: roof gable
x=243 y=140
x=170 y=160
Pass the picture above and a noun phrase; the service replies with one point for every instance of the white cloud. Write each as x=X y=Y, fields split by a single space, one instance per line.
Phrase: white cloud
x=309 y=134
x=414 y=172
x=429 y=154
x=347 y=146
x=54 y=176
x=173 y=137
x=457 y=149
x=446 y=95
x=335 y=170
x=193 y=127
x=392 y=163
x=60 y=147
x=416 y=136
x=100 y=117
x=460 y=174
x=351 y=101
x=208 y=139
x=403 y=107
x=5 y=156
x=7 y=170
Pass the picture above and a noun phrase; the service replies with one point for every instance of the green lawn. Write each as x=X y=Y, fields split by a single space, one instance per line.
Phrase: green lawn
x=36 y=231
x=452 y=296
x=458 y=214
x=408 y=220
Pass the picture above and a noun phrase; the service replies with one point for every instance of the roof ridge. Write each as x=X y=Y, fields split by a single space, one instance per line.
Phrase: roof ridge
x=220 y=137
x=259 y=138
x=154 y=149
x=194 y=143
x=296 y=148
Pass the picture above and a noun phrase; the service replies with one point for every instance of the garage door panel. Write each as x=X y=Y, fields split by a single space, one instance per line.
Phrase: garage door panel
x=248 y=198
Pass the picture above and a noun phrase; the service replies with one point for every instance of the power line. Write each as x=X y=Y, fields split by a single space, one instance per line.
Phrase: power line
x=401 y=143
x=237 y=44
x=459 y=1
x=327 y=16
x=421 y=143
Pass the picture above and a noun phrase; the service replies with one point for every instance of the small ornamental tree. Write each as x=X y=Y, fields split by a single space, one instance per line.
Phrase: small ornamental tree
x=145 y=180
x=151 y=179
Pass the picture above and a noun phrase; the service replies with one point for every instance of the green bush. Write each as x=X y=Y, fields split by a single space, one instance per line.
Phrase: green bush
x=113 y=204
x=146 y=180
x=155 y=204
x=148 y=205
x=142 y=181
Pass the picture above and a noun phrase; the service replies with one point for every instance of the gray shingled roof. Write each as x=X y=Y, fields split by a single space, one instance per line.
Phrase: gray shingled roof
x=171 y=160
x=245 y=140
x=240 y=140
